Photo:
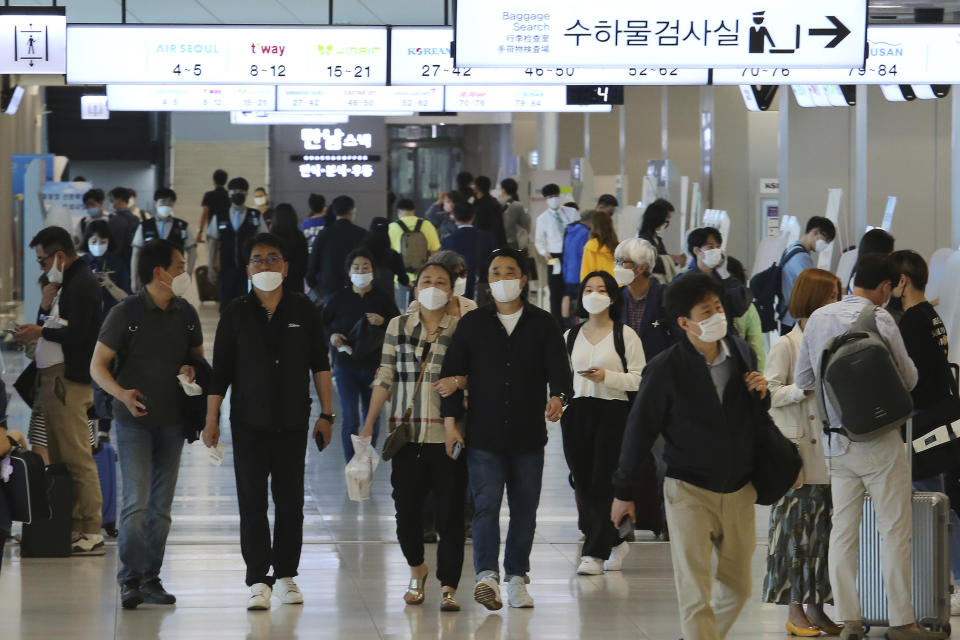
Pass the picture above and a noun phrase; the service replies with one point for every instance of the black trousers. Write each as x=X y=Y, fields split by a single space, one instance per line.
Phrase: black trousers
x=557 y=288
x=233 y=284
x=259 y=457
x=418 y=469
x=592 y=432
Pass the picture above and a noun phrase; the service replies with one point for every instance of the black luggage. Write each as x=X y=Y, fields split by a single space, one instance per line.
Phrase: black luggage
x=51 y=538
x=206 y=290
x=26 y=491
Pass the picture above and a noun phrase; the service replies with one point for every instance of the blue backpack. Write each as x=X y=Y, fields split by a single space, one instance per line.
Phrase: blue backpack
x=767 y=296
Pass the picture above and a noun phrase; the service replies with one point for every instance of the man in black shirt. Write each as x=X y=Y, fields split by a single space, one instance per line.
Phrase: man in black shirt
x=230 y=231
x=267 y=344
x=510 y=352
x=213 y=200
x=327 y=271
x=488 y=212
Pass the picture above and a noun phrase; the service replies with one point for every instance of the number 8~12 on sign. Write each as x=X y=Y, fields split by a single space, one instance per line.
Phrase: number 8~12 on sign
x=118 y=54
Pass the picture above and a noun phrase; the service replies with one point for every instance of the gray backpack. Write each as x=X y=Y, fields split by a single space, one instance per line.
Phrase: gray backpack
x=859 y=376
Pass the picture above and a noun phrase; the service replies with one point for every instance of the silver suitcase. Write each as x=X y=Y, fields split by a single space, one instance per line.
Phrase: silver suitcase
x=930 y=562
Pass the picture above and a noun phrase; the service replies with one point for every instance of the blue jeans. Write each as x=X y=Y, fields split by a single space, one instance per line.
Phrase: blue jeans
x=522 y=475
x=936 y=483
x=149 y=465
x=353 y=388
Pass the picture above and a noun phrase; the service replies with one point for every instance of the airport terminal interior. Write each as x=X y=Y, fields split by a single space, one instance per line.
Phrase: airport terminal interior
x=748 y=118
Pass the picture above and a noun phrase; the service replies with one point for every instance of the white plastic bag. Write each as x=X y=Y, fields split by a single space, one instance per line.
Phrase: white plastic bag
x=359 y=471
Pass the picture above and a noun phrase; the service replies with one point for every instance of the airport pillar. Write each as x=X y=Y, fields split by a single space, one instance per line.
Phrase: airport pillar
x=860 y=163
x=547 y=137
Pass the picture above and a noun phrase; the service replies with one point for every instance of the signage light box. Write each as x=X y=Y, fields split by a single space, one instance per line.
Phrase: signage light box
x=514 y=99
x=660 y=33
x=191 y=97
x=170 y=54
x=360 y=99
x=33 y=40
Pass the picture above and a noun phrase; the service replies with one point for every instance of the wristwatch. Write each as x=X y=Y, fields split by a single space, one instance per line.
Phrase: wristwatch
x=328 y=417
x=564 y=400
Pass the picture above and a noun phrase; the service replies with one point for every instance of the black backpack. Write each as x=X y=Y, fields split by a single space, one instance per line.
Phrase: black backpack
x=618 y=344
x=766 y=291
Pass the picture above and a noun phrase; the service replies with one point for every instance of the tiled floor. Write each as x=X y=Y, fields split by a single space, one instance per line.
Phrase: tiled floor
x=352 y=573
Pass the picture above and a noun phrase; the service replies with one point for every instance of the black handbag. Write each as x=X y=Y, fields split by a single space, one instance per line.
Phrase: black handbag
x=193 y=409
x=776 y=464
x=403 y=434
x=26 y=384
x=26 y=490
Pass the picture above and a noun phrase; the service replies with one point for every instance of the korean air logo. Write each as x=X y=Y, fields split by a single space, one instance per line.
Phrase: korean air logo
x=428 y=51
x=880 y=49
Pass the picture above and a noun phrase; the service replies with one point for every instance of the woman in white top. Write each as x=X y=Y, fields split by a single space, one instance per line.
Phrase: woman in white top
x=800 y=522
x=607 y=360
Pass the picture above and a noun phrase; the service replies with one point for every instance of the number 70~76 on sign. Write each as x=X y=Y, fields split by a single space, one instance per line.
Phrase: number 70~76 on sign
x=688 y=34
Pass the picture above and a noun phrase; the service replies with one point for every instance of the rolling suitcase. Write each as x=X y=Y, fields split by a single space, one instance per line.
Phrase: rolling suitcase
x=106 y=459
x=930 y=562
x=51 y=538
x=206 y=290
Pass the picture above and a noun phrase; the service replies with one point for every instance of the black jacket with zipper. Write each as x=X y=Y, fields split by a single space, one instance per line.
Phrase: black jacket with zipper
x=708 y=443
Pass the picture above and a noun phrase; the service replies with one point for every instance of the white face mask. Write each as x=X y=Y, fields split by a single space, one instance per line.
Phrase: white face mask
x=505 y=290
x=596 y=302
x=260 y=201
x=712 y=257
x=713 y=328
x=460 y=287
x=553 y=202
x=55 y=273
x=267 y=280
x=432 y=298
x=361 y=280
x=821 y=245
x=164 y=211
x=97 y=249
x=180 y=284
x=624 y=276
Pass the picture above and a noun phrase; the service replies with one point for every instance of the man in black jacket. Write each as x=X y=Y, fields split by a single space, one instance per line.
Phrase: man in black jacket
x=326 y=269
x=510 y=351
x=65 y=345
x=230 y=231
x=268 y=342
x=488 y=212
x=706 y=246
x=706 y=399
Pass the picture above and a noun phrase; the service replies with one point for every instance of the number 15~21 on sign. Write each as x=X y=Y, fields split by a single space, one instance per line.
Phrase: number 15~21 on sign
x=668 y=33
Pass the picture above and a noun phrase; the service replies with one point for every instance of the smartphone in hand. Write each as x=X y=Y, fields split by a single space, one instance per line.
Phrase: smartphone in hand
x=457 y=450
x=626 y=526
x=318 y=438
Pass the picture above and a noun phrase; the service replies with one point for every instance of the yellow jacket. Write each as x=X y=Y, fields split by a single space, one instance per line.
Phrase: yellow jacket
x=596 y=258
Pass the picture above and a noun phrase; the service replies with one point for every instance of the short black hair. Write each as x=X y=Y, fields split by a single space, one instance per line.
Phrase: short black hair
x=550 y=190
x=876 y=241
x=510 y=186
x=735 y=267
x=165 y=193
x=219 y=177
x=506 y=252
x=316 y=203
x=462 y=212
x=464 y=178
x=238 y=184
x=53 y=239
x=406 y=204
x=873 y=269
x=260 y=189
x=607 y=200
x=267 y=239
x=823 y=225
x=343 y=205
x=912 y=265
x=700 y=237
x=100 y=228
x=655 y=216
x=156 y=253
x=573 y=205
x=94 y=195
x=613 y=290
x=120 y=193
x=688 y=291
x=482 y=183
x=359 y=252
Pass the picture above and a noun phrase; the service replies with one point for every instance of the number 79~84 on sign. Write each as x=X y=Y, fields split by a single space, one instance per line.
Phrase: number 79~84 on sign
x=688 y=34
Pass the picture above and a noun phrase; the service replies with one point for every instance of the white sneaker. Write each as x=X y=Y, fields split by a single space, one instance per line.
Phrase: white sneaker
x=617 y=555
x=955 y=602
x=86 y=544
x=288 y=591
x=590 y=566
x=487 y=592
x=517 y=594
x=259 y=597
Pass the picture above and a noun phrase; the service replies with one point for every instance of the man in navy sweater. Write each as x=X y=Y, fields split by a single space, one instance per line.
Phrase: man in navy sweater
x=707 y=400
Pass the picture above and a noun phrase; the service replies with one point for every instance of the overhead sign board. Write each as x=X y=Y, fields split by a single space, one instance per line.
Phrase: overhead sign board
x=907 y=54
x=422 y=56
x=33 y=40
x=117 y=54
x=660 y=33
x=359 y=99
x=513 y=99
x=190 y=97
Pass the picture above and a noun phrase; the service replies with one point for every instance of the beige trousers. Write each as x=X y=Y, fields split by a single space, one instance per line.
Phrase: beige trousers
x=65 y=405
x=880 y=467
x=702 y=523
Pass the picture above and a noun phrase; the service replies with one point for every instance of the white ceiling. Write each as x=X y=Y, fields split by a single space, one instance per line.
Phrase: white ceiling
x=253 y=11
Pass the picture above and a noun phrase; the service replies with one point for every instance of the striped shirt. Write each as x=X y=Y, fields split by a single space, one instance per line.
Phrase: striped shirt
x=400 y=362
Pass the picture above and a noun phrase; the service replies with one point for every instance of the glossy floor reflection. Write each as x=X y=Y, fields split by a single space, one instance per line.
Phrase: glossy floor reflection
x=352 y=573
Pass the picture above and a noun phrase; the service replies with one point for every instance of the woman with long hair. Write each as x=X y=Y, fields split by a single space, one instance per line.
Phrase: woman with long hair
x=286 y=225
x=389 y=263
x=598 y=252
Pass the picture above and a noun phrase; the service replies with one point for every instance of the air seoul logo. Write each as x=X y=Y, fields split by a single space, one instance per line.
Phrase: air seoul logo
x=331 y=50
x=881 y=49
x=428 y=51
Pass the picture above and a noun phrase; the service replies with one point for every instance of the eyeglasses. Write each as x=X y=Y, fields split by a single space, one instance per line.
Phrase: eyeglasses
x=269 y=260
x=624 y=263
x=42 y=260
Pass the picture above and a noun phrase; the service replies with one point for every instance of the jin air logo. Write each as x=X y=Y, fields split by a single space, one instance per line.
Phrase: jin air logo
x=325 y=50
x=330 y=50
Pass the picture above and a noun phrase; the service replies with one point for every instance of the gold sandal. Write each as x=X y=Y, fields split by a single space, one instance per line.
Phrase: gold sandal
x=448 y=603
x=414 y=594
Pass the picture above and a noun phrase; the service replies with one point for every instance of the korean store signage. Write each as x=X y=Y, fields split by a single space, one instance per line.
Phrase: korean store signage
x=116 y=54
x=332 y=153
x=661 y=33
x=422 y=56
x=33 y=40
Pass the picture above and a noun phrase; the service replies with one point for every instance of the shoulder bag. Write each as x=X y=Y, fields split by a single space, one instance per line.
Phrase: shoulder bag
x=403 y=434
